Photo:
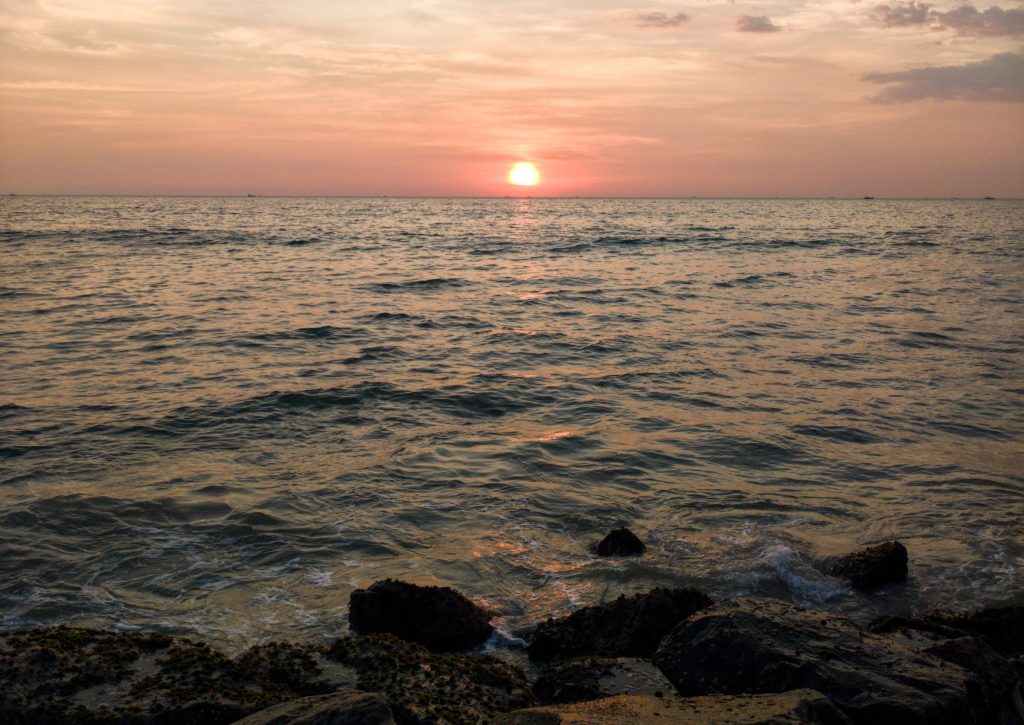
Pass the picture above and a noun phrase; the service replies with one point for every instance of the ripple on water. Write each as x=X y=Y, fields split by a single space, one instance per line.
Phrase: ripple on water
x=220 y=416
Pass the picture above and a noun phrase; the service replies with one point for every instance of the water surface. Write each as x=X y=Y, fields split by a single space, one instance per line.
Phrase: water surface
x=219 y=416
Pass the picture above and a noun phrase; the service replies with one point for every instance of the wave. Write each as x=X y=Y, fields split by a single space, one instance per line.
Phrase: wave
x=372 y=398
x=748 y=453
x=806 y=585
x=751 y=280
x=838 y=434
x=417 y=285
x=320 y=332
x=839 y=360
x=926 y=339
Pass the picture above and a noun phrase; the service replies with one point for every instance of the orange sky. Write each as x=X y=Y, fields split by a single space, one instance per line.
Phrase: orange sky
x=429 y=97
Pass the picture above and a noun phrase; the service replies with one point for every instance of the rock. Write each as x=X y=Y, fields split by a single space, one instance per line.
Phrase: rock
x=994 y=676
x=872 y=567
x=422 y=687
x=763 y=645
x=301 y=668
x=591 y=678
x=627 y=627
x=1001 y=627
x=439 y=618
x=796 y=707
x=620 y=542
x=340 y=708
x=67 y=674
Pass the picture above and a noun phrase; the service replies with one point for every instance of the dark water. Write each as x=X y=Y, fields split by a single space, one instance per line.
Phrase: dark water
x=218 y=416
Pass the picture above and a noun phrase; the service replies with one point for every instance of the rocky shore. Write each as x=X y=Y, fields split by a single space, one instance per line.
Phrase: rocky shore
x=416 y=655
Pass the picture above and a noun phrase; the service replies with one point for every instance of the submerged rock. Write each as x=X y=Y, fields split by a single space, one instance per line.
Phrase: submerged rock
x=591 y=677
x=627 y=627
x=340 y=708
x=439 y=618
x=620 y=542
x=422 y=687
x=764 y=645
x=872 y=567
x=796 y=707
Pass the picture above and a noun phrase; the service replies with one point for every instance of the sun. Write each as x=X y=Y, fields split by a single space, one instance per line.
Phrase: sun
x=524 y=174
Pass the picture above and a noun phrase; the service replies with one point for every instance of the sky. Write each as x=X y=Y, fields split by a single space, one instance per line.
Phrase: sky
x=440 y=97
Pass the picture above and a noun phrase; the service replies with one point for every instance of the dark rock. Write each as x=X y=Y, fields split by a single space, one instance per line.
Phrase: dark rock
x=797 y=708
x=339 y=708
x=627 y=627
x=591 y=678
x=439 y=618
x=948 y=637
x=897 y=623
x=620 y=542
x=430 y=688
x=578 y=680
x=872 y=567
x=994 y=676
x=1001 y=627
x=67 y=674
x=764 y=645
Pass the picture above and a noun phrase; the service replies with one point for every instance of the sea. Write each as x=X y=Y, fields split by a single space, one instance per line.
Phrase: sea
x=219 y=416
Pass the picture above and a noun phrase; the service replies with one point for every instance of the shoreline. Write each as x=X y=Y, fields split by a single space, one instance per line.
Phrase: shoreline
x=420 y=654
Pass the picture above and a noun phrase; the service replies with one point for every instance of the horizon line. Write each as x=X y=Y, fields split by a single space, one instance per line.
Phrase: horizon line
x=510 y=196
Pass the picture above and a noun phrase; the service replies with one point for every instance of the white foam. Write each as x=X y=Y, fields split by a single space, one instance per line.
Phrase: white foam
x=501 y=639
x=806 y=584
x=320 y=577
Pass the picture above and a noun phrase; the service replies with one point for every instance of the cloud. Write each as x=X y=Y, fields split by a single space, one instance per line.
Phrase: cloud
x=999 y=78
x=900 y=16
x=968 y=20
x=756 y=24
x=964 y=20
x=659 y=19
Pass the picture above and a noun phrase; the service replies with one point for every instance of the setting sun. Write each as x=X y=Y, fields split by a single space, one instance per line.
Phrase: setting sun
x=524 y=174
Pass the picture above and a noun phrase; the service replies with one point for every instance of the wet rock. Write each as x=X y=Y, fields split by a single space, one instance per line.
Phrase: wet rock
x=591 y=678
x=872 y=567
x=796 y=707
x=67 y=674
x=764 y=645
x=627 y=627
x=340 y=708
x=422 y=687
x=439 y=618
x=1001 y=627
x=620 y=542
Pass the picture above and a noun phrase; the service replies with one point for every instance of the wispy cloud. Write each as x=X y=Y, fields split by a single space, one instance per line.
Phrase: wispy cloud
x=434 y=96
x=756 y=24
x=658 y=19
x=965 y=20
x=999 y=78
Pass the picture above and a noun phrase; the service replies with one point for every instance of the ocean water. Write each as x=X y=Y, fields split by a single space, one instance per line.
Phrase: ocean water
x=219 y=416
